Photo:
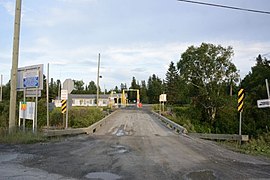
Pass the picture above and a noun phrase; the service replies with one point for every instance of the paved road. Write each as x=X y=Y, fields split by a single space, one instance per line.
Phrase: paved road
x=132 y=145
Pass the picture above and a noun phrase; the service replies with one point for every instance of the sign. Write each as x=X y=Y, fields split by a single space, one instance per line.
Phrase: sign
x=64 y=94
x=30 y=77
x=241 y=96
x=163 y=98
x=64 y=106
x=23 y=106
x=263 y=103
x=27 y=110
x=32 y=93
x=68 y=85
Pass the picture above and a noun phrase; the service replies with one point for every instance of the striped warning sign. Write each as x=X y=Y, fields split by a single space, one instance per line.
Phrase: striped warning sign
x=241 y=96
x=64 y=106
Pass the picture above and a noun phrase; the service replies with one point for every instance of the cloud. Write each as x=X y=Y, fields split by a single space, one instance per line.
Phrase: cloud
x=8 y=6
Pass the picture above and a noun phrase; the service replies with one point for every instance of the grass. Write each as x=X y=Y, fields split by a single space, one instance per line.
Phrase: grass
x=258 y=146
x=20 y=137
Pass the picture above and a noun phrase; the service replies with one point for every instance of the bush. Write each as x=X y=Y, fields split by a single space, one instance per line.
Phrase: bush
x=84 y=116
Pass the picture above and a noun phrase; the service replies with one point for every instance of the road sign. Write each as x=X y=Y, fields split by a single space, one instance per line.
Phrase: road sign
x=263 y=103
x=30 y=77
x=64 y=94
x=163 y=98
x=32 y=93
x=64 y=106
x=241 y=96
x=68 y=85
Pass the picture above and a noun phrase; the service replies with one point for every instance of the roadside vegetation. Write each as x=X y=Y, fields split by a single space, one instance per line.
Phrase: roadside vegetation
x=201 y=90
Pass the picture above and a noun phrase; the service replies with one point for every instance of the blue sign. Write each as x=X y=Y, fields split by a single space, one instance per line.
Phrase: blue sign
x=29 y=82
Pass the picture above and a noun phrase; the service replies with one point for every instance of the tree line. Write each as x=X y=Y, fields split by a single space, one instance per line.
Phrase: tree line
x=202 y=86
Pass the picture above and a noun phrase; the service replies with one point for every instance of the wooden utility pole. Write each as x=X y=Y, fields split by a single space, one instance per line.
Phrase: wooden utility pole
x=15 y=57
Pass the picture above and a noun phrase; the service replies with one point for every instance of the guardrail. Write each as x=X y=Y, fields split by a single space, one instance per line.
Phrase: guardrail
x=170 y=124
x=89 y=130
x=232 y=137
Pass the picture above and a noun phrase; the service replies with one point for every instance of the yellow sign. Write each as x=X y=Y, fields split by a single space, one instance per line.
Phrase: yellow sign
x=64 y=106
x=241 y=96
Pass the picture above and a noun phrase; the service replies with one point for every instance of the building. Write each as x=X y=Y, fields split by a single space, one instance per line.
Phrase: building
x=90 y=100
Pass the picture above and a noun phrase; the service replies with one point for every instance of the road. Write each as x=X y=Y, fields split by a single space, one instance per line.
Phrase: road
x=132 y=145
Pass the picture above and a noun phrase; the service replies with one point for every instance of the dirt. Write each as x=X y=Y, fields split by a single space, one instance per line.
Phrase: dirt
x=132 y=145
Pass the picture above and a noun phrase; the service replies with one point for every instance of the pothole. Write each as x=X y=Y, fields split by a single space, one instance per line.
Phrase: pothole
x=103 y=176
x=117 y=149
x=207 y=174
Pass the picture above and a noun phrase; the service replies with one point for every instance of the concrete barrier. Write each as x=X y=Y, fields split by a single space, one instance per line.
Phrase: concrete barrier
x=170 y=124
x=88 y=130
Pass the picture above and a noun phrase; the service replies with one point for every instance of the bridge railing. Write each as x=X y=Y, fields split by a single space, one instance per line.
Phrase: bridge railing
x=170 y=124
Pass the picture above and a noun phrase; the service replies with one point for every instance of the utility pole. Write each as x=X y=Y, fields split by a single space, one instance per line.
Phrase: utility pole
x=47 y=91
x=1 y=93
x=98 y=78
x=15 y=58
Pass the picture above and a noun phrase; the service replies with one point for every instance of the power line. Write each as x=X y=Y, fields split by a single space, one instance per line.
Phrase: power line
x=227 y=7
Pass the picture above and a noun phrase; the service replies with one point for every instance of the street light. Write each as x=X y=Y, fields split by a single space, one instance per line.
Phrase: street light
x=98 y=76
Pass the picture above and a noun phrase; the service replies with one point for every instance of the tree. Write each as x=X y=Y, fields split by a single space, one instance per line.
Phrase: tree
x=132 y=95
x=256 y=120
x=155 y=88
x=143 y=92
x=92 y=88
x=171 y=84
x=208 y=68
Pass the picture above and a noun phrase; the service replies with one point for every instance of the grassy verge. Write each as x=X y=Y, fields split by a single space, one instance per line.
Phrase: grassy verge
x=258 y=146
x=20 y=137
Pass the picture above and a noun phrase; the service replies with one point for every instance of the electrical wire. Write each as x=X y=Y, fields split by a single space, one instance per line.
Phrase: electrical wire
x=227 y=7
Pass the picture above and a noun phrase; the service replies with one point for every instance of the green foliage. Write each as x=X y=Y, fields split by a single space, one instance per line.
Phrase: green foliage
x=209 y=69
x=256 y=121
x=258 y=146
x=56 y=118
x=84 y=116
x=155 y=88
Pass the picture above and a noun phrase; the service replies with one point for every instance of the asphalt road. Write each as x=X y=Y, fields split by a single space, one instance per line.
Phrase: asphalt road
x=132 y=145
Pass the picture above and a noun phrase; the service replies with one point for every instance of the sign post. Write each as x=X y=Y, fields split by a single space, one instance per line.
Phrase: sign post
x=68 y=87
x=30 y=81
x=241 y=96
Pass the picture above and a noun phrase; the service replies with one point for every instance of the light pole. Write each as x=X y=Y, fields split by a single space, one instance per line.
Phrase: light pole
x=98 y=78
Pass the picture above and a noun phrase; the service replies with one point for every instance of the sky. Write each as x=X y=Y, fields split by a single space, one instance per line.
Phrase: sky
x=135 y=38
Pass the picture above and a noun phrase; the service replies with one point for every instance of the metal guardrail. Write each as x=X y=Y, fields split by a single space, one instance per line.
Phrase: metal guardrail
x=232 y=137
x=89 y=130
x=170 y=124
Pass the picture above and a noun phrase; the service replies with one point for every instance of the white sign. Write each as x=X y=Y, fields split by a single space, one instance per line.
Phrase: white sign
x=30 y=77
x=32 y=93
x=68 y=85
x=163 y=98
x=29 y=112
x=64 y=94
x=263 y=103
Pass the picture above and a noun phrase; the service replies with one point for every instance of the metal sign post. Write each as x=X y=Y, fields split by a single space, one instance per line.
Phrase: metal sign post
x=241 y=96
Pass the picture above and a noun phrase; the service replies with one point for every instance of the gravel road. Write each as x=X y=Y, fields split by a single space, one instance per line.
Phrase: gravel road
x=132 y=145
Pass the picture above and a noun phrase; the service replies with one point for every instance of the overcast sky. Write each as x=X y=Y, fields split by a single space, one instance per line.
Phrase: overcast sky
x=135 y=37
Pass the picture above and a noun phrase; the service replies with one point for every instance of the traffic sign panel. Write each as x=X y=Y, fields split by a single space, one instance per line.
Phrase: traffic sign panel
x=64 y=94
x=263 y=103
x=68 y=85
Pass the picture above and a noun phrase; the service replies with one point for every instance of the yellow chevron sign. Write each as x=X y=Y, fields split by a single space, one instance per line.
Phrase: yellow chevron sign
x=241 y=96
x=64 y=106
